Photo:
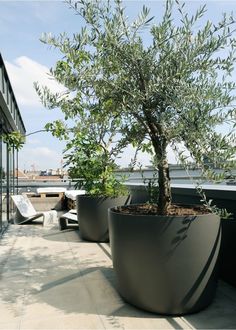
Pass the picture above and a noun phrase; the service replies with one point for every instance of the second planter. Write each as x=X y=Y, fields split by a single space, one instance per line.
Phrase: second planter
x=93 y=215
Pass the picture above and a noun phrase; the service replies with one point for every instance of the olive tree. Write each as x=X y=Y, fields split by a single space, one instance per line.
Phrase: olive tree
x=176 y=91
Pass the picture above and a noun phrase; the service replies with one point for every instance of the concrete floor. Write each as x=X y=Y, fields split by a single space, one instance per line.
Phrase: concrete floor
x=54 y=280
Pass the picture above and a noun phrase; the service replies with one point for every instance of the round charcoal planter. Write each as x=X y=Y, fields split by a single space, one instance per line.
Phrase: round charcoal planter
x=165 y=264
x=93 y=216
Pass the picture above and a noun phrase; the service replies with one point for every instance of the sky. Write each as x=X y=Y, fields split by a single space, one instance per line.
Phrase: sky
x=28 y=60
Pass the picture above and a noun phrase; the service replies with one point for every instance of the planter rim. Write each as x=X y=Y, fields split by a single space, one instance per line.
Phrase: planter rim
x=112 y=210
x=101 y=196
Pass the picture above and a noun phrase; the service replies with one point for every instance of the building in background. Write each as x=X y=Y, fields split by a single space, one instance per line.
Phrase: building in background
x=10 y=120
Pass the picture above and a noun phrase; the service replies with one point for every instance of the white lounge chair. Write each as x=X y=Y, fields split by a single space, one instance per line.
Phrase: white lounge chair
x=25 y=212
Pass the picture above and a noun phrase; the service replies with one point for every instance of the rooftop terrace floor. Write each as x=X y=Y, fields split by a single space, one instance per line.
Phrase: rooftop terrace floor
x=54 y=280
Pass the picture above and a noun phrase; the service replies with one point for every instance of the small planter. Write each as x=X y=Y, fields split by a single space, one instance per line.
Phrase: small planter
x=166 y=265
x=93 y=218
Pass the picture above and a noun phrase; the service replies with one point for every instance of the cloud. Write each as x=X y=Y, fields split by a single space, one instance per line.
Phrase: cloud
x=44 y=152
x=40 y=157
x=33 y=141
x=143 y=158
x=23 y=72
x=171 y=156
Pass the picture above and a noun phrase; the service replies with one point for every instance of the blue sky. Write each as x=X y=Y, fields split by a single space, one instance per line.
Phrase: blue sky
x=28 y=60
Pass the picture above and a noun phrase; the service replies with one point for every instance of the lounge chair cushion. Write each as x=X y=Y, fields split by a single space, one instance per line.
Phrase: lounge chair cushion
x=50 y=218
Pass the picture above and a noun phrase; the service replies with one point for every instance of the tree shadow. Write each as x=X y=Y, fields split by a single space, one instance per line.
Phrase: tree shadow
x=59 y=281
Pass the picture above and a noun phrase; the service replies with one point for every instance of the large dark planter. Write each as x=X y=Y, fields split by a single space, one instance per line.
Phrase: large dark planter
x=92 y=216
x=166 y=265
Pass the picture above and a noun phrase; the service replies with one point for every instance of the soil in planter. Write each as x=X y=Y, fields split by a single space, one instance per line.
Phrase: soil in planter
x=152 y=209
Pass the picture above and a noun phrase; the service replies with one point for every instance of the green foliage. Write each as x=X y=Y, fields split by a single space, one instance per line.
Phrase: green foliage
x=176 y=91
x=91 y=149
x=14 y=140
x=152 y=188
x=222 y=213
x=58 y=129
x=90 y=156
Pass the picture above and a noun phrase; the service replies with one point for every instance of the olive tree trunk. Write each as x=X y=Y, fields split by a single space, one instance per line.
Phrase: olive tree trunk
x=164 y=198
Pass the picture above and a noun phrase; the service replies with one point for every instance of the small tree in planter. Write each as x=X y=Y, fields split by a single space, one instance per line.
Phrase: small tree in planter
x=90 y=155
x=176 y=91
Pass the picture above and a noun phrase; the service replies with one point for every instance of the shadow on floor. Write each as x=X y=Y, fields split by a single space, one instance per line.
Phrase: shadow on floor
x=45 y=272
